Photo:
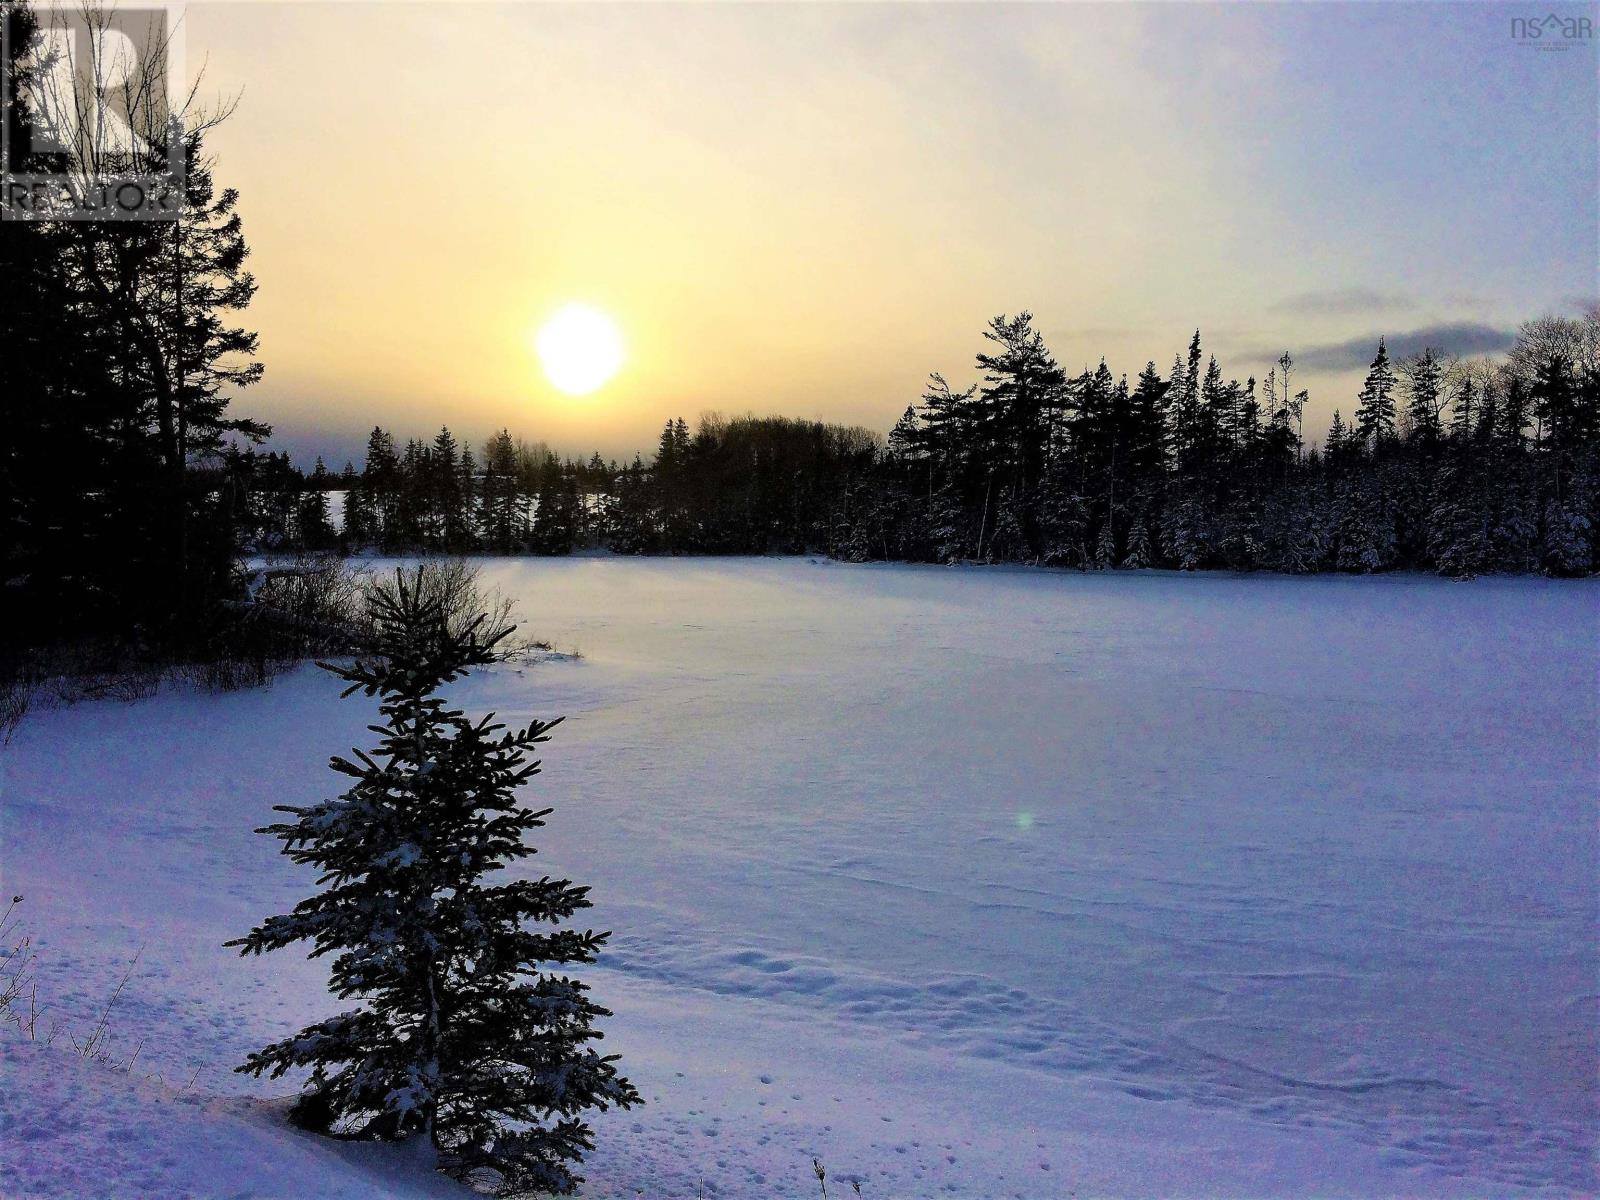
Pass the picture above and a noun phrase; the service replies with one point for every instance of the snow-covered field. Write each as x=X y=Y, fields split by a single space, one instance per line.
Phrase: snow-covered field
x=968 y=882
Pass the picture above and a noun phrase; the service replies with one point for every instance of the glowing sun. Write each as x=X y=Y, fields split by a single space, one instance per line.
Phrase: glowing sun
x=580 y=347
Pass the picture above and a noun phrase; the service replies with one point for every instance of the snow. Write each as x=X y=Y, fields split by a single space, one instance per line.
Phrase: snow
x=79 y=1132
x=968 y=882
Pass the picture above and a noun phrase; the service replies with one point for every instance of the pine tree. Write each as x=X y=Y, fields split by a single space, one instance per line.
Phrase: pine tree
x=121 y=472
x=1459 y=539
x=1338 y=438
x=316 y=529
x=380 y=485
x=445 y=525
x=1424 y=383
x=1183 y=533
x=412 y=502
x=355 y=529
x=905 y=439
x=1023 y=395
x=947 y=529
x=1146 y=454
x=555 y=523
x=1567 y=537
x=1555 y=404
x=1179 y=409
x=1375 y=417
x=504 y=501
x=1188 y=435
x=631 y=526
x=1105 y=547
x=1006 y=542
x=464 y=1037
x=1294 y=532
x=945 y=418
x=467 y=498
x=594 y=482
x=1138 y=545
x=1365 y=529
x=1217 y=403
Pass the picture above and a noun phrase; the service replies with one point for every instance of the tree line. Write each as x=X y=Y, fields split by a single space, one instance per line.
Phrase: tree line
x=741 y=485
x=1461 y=467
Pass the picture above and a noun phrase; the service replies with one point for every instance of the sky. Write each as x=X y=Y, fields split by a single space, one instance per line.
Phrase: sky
x=805 y=209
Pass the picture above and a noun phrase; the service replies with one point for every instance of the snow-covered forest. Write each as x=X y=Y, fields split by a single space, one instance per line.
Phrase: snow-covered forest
x=1458 y=466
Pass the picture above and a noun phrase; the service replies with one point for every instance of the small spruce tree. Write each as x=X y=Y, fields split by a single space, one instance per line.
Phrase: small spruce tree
x=1105 y=550
x=1139 y=555
x=464 y=1035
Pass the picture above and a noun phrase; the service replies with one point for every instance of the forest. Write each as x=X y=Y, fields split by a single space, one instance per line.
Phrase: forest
x=1459 y=467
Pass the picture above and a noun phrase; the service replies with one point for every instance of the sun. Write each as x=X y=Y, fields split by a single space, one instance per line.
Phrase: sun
x=580 y=347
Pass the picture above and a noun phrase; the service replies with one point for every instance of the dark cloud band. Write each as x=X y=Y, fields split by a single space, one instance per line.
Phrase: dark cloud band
x=1456 y=337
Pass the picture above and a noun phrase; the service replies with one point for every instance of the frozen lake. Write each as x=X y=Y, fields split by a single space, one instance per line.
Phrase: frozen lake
x=971 y=882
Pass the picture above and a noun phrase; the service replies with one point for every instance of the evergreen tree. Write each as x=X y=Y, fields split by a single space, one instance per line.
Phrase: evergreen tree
x=948 y=534
x=118 y=510
x=1178 y=407
x=1105 y=548
x=1183 y=531
x=555 y=522
x=380 y=486
x=1425 y=386
x=1024 y=395
x=671 y=483
x=448 y=525
x=1146 y=455
x=465 y=1036
x=467 y=498
x=1375 y=417
x=504 y=501
x=1568 y=537
x=316 y=530
x=1139 y=549
x=412 y=507
x=1217 y=402
x=1555 y=396
x=631 y=519
x=1338 y=441
x=1187 y=437
x=947 y=420
x=356 y=529
x=594 y=480
x=1294 y=531
x=1365 y=524
x=905 y=443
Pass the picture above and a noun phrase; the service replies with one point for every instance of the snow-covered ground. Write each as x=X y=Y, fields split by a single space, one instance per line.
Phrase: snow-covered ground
x=968 y=882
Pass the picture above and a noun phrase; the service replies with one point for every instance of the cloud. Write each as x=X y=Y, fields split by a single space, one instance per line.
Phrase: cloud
x=1451 y=337
x=1338 y=301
